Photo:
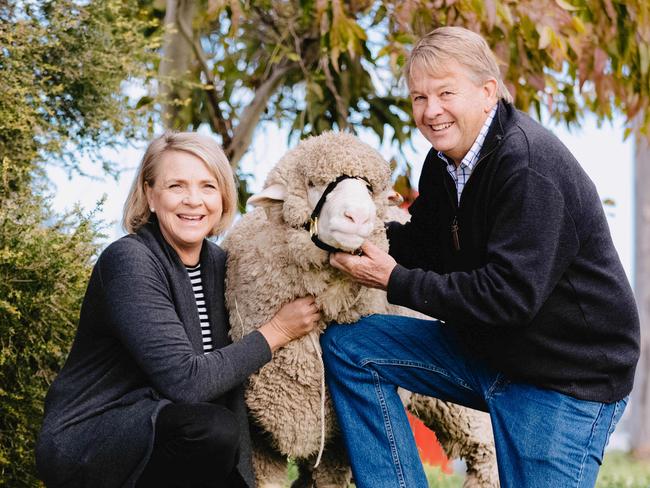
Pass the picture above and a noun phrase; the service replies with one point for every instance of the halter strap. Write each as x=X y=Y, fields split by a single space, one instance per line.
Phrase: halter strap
x=312 y=224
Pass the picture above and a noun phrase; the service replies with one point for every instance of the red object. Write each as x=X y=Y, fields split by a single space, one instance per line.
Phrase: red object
x=409 y=199
x=430 y=449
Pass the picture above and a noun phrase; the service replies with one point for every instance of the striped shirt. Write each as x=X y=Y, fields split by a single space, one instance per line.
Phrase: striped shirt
x=462 y=173
x=197 y=288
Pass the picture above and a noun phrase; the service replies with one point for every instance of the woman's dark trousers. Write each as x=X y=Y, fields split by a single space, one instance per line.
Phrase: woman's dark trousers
x=196 y=445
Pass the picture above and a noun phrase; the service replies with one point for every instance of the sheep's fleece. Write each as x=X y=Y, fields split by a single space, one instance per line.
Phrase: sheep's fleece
x=271 y=260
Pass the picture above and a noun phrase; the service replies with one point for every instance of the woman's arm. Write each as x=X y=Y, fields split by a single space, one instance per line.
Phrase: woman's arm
x=141 y=312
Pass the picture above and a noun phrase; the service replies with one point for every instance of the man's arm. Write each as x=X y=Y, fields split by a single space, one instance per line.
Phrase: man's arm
x=531 y=244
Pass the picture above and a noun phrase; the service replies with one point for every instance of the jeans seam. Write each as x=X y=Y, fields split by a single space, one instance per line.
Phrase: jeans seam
x=591 y=439
x=611 y=426
x=389 y=429
x=415 y=364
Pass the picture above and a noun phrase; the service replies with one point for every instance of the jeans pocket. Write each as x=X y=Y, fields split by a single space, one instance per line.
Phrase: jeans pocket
x=617 y=413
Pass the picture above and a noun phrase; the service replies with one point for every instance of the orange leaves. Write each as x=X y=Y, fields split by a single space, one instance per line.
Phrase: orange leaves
x=565 y=55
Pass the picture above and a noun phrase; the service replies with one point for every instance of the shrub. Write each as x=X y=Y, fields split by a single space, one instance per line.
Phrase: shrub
x=44 y=266
x=62 y=68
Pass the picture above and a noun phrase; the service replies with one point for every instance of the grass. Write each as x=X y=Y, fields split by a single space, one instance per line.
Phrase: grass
x=619 y=470
x=439 y=479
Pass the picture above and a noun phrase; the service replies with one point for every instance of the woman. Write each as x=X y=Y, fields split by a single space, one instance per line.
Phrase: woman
x=151 y=393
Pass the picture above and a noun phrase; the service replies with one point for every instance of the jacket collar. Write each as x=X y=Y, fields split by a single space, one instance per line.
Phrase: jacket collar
x=181 y=287
x=496 y=132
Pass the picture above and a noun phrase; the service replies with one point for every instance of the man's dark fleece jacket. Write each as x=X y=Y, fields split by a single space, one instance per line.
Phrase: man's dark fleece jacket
x=535 y=286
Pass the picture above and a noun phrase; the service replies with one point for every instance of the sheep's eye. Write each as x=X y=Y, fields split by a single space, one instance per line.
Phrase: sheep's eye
x=310 y=184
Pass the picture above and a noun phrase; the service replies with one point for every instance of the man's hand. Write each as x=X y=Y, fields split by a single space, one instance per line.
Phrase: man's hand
x=372 y=269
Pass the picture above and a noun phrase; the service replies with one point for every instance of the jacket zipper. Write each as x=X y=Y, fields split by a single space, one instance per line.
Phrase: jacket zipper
x=455 y=239
x=455 y=228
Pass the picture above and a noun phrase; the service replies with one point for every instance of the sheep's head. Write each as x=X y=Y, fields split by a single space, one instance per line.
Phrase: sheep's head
x=350 y=210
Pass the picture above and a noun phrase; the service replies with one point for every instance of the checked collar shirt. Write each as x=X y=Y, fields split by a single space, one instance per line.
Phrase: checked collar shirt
x=462 y=173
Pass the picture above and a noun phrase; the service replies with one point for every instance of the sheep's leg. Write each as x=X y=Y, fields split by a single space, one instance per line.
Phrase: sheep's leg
x=305 y=476
x=462 y=432
x=334 y=468
x=270 y=466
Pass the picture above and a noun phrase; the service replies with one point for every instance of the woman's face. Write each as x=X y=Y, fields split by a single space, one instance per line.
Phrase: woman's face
x=187 y=200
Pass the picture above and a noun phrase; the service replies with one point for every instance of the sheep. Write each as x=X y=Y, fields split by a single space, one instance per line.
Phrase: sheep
x=272 y=258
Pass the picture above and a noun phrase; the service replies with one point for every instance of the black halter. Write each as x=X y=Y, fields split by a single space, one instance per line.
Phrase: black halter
x=312 y=224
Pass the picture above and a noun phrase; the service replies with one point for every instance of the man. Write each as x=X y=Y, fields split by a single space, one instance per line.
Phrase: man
x=508 y=246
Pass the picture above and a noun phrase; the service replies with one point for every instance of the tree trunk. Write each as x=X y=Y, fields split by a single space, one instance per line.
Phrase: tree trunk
x=640 y=405
x=176 y=56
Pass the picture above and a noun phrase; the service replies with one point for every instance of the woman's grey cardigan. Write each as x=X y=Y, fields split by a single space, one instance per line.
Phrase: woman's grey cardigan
x=138 y=347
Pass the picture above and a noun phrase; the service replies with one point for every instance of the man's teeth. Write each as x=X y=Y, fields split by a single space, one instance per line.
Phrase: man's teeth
x=442 y=126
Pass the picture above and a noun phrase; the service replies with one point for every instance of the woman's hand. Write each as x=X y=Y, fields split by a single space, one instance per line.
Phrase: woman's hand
x=293 y=320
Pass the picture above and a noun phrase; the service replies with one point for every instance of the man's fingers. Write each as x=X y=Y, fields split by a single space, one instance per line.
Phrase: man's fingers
x=368 y=247
x=340 y=260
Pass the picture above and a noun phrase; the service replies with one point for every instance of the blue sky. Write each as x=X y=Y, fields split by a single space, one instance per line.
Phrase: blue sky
x=601 y=151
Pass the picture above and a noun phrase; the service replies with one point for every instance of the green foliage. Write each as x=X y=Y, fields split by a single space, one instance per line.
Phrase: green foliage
x=62 y=68
x=311 y=59
x=43 y=275
x=315 y=65
x=63 y=65
x=569 y=55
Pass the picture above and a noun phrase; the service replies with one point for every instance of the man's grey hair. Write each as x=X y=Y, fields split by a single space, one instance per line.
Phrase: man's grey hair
x=461 y=45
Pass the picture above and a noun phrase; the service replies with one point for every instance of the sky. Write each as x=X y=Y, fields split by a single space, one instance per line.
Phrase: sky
x=606 y=158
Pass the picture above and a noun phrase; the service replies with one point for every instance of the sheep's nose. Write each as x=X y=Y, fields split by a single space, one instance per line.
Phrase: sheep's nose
x=357 y=216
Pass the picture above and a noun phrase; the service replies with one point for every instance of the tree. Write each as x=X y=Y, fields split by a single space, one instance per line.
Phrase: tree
x=302 y=63
x=62 y=66
x=327 y=63
x=319 y=64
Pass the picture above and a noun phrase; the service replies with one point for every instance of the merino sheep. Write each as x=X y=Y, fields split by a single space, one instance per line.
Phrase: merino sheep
x=271 y=260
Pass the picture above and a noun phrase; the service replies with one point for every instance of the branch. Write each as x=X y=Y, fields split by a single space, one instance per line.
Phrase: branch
x=341 y=108
x=218 y=121
x=267 y=19
x=243 y=133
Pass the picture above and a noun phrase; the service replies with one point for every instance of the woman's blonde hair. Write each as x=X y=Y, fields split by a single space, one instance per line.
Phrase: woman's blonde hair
x=136 y=208
x=461 y=45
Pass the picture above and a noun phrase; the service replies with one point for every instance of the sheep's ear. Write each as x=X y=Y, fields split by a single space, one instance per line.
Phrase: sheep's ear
x=394 y=198
x=272 y=194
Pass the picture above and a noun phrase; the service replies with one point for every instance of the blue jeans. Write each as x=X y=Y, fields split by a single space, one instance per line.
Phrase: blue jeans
x=543 y=438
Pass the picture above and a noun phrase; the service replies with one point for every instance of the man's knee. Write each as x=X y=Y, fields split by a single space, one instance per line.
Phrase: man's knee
x=334 y=340
x=340 y=341
x=329 y=338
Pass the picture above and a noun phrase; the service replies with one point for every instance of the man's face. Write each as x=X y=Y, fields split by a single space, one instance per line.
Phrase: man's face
x=450 y=107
